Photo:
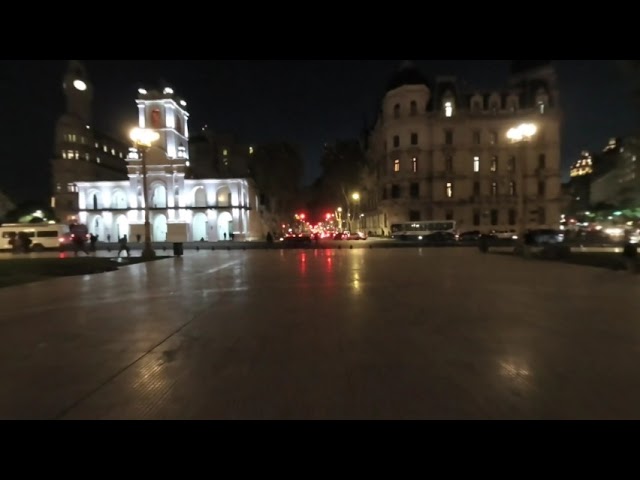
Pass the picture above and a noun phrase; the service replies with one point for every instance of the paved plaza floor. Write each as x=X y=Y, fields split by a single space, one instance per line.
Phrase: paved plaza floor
x=330 y=334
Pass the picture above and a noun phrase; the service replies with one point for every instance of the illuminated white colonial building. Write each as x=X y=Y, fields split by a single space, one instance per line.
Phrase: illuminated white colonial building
x=181 y=209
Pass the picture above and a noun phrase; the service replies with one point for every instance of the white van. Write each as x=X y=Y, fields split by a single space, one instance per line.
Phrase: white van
x=43 y=235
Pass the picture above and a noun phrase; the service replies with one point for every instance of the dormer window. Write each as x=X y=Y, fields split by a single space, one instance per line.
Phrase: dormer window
x=512 y=103
x=541 y=106
x=476 y=103
x=448 y=108
x=396 y=111
x=494 y=103
x=542 y=100
x=413 y=107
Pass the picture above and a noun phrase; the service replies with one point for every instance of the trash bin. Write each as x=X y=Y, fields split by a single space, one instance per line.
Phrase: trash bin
x=178 y=249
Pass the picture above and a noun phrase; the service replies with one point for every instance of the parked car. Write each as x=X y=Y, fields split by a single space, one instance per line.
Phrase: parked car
x=470 y=236
x=440 y=238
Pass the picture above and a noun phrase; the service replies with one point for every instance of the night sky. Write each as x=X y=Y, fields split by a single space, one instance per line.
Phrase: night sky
x=304 y=102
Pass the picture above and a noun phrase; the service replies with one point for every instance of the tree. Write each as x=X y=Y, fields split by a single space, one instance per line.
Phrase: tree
x=343 y=165
x=6 y=205
x=277 y=169
x=30 y=212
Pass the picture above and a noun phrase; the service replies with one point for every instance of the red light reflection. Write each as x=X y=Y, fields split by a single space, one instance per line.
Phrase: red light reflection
x=303 y=263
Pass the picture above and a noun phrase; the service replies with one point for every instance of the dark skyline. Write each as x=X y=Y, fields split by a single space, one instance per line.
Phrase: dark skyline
x=305 y=102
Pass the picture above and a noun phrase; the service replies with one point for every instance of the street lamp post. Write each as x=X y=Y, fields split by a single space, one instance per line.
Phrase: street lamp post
x=143 y=139
x=520 y=136
x=356 y=199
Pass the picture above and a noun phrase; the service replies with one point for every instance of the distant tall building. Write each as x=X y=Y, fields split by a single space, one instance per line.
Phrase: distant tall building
x=440 y=151
x=616 y=178
x=80 y=152
x=579 y=185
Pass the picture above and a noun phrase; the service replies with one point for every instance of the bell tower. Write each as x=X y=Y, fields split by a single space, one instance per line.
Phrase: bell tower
x=78 y=91
x=165 y=113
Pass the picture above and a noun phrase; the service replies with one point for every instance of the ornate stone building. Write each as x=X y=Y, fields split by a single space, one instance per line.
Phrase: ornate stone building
x=438 y=151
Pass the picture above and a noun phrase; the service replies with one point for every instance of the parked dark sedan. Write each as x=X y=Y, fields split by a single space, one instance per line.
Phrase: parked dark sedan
x=440 y=238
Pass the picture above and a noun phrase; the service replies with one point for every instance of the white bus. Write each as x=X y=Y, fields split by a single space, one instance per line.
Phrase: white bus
x=43 y=235
x=414 y=230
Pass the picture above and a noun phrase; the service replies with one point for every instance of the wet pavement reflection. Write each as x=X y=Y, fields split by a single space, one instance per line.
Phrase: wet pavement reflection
x=424 y=333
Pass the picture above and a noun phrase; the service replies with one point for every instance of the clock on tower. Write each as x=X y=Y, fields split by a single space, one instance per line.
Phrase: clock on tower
x=78 y=91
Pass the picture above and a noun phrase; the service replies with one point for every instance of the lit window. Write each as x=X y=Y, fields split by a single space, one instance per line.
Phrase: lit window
x=494 y=164
x=512 y=188
x=105 y=148
x=494 y=188
x=448 y=109
x=414 y=164
x=121 y=155
x=76 y=155
x=97 y=159
x=113 y=152
x=476 y=164
x=72 y=137
x=64 y=154
x=541 y=107
x=250 y=150
x=86 y=157
x=72 y=188
x=396 y=165
x=225 y=152
x=449 y=190
x=97 y=145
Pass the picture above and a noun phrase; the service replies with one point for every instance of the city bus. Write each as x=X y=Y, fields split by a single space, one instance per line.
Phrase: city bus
x=43 y=236
x=418 y=230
